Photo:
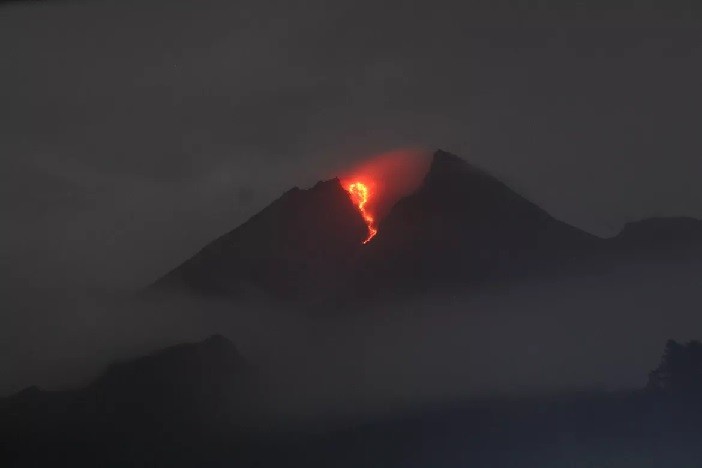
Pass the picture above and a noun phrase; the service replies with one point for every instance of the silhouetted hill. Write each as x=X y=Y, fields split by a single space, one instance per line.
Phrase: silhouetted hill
x=185 y=381
x=30 y=2
x=194 y=387
x=86 y=429
x=661 y=233
x=297 y=246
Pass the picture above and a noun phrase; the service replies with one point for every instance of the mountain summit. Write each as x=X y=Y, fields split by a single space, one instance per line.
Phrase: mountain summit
x=463 y=225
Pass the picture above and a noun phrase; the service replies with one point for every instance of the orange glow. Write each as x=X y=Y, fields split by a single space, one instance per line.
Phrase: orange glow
x=389 y=176
x=378 y=181
x=360 y=195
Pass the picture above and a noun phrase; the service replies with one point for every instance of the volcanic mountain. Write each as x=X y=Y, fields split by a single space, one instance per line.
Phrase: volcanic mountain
x=461 y=227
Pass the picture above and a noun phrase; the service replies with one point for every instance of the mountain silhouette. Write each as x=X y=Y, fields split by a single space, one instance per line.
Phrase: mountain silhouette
x=186 y=381
x=297 y=246
x=462 y=227
x=184 y=389
x=170 y=409
x=657 y=233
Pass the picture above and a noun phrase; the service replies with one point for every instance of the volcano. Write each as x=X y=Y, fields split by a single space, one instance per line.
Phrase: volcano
x=462 y=227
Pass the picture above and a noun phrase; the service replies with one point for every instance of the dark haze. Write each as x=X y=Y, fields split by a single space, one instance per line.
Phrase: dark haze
x=134 y=132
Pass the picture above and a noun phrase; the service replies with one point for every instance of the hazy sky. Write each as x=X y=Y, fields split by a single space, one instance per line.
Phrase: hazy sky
x=132 y=132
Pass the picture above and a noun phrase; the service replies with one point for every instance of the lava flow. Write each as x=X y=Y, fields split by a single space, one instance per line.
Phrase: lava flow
x=360 y=196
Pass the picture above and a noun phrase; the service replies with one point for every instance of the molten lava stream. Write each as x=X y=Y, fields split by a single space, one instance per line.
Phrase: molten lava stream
x=360 y=196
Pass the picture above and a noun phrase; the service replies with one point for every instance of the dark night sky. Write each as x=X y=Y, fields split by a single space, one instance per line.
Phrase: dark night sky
x=135 y=131
x=132 y=132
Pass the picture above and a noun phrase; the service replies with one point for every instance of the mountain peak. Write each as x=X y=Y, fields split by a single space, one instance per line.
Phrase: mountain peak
x=218 y=344
x=442 y=158
x=447 y=167
x=331 y=184
x=323 y=186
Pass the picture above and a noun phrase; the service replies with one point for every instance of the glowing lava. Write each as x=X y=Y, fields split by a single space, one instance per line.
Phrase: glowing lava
x=360 y=194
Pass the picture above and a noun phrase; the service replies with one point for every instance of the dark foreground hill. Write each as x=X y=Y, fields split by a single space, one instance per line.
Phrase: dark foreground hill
x=186 y=406
x=135 y=408
x=461 y=228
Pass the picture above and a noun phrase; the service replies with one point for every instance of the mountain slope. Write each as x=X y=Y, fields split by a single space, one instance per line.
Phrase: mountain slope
x=463 y=224
x=299 y=244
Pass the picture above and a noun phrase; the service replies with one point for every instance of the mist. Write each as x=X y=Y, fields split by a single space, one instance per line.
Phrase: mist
x=133 y=133
x=597 y=332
